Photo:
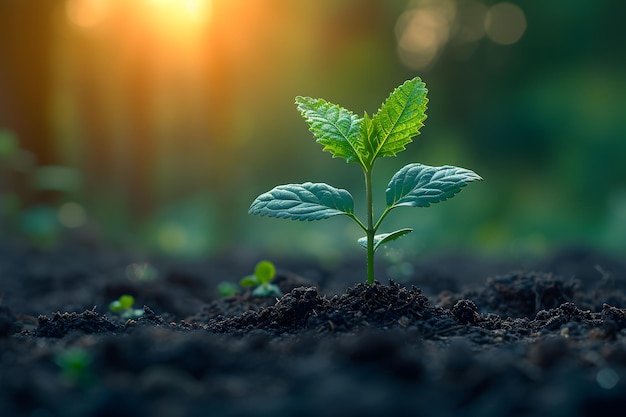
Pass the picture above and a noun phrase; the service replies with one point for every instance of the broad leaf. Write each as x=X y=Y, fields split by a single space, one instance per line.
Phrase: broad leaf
x=418 y=185
x=398 y=120
x=384 y=238
x=334 y=127
x=308 y=201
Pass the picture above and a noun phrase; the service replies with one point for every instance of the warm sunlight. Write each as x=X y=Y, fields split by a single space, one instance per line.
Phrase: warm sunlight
x=87 y=13
x=178 y=18
x=174 y=18
x=192 y=9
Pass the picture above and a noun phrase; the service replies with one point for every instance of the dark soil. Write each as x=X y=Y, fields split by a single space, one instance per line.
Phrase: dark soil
x=480 y=338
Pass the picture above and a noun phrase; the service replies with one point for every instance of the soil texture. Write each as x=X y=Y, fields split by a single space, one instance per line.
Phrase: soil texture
x=451 y=336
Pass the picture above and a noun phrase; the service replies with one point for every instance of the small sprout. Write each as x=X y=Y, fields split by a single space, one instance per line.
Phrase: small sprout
x=227 y=289
x=124 y=307
x=123 y=303
x=75 y=365
x=262 y=280
x=364 y=140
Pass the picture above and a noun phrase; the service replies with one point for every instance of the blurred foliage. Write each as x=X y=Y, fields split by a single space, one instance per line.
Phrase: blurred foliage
x=173 y=115
x=35 y=202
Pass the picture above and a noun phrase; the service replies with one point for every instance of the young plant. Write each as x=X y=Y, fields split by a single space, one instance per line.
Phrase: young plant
x=124 y=307
x=227 y=289
x=364 y=140
x=75 y=365
x=262 y=279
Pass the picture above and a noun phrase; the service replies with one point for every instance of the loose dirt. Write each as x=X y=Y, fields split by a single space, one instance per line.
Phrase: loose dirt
x=459 y=336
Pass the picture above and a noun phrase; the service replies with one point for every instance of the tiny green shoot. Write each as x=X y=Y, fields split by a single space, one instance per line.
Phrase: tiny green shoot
x=363 y=140
x=262 y=280
x=124 y=307
x=227 y=289
x=75 y=365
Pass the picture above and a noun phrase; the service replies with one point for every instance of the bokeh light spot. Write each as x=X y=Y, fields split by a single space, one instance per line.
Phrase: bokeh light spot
x=86 y=13
x=505 y=23
x=172 y=238
x=141 y=272
x=607 y=378
x=71 y=215
x=423 y=31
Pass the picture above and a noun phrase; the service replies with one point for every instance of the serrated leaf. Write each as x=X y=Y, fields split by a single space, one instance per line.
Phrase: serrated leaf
x=334 y=127
x=367 y=133
x=417 y=185
x=398 y=120
x=384 y=238
x=308 y=201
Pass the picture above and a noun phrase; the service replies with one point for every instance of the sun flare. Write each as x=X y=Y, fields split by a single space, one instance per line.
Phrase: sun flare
x=179 y=13
x=174 y=17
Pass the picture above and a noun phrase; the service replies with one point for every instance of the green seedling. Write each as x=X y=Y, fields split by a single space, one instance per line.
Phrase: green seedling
x=227 y=289
x=123 y=306
x=363 y=140
x=75 y=366
x=262 y=279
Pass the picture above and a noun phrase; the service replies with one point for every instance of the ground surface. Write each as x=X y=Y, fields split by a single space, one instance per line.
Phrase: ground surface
x=478 y=339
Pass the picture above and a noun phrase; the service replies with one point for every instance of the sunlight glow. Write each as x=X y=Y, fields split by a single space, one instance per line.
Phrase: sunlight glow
x=172 y=18
x=87 y=13
x=179 y=15
x=191 y=9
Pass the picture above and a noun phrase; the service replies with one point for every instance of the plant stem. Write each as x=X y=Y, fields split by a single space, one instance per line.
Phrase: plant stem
x=371 y=230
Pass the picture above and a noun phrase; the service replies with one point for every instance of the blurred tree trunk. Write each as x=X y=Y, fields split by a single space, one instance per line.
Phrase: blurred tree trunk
x=25 y=53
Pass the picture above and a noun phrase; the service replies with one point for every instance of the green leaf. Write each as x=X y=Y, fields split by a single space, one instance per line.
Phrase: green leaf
x=308 y=201
x=115 y=306
x=249 y=281
x=398 y=120
x=417 y=185
x=267 y=290
x=125 y=302
x=367 y=134
x=384 y=238
x=334 y=127
x=265 y=271
x=227 y=289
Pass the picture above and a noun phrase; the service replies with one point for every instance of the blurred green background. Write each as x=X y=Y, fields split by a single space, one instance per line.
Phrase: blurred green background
x=154 y=123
